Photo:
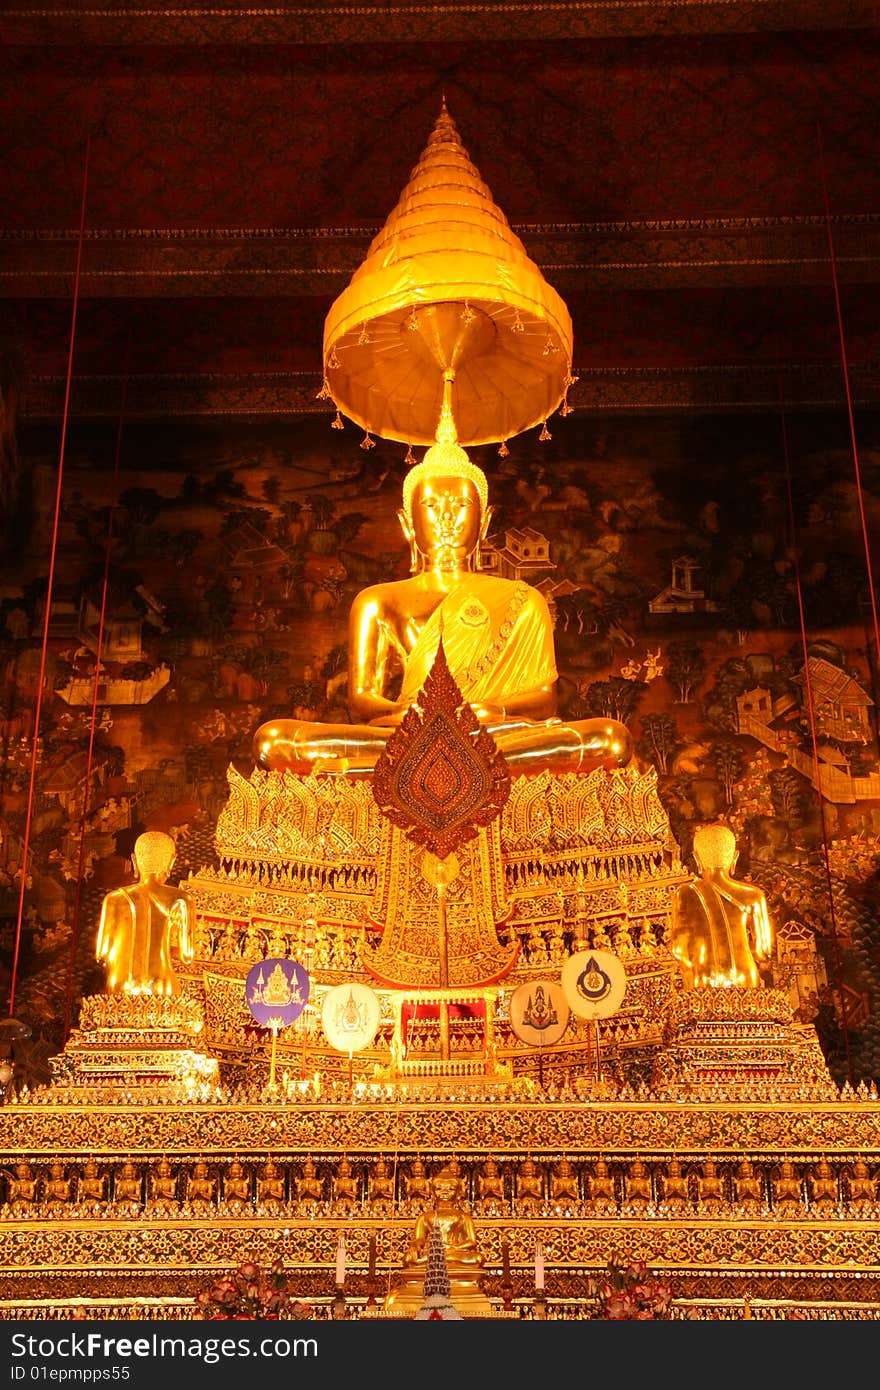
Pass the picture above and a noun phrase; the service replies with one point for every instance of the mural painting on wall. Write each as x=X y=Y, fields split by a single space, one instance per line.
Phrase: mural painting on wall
x=663 y=547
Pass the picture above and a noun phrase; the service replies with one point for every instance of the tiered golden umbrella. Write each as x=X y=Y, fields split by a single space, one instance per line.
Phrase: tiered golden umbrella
x=447 y=293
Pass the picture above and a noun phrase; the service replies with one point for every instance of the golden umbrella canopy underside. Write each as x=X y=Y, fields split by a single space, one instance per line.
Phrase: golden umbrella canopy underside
x=447 y=291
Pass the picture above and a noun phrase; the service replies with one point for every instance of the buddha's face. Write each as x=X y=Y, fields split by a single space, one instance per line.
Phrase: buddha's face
x=447 y=519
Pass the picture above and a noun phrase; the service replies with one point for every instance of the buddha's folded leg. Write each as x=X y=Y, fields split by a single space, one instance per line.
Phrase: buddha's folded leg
x=298 y=745
x=559 y=747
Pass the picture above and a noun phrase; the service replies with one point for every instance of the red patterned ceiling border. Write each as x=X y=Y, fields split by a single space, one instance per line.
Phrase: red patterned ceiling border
x=734 y=387
x=393 y=22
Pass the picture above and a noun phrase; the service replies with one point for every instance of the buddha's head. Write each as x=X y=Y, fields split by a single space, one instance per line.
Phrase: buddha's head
x=714 y=848
x=445 y=511
x=154 y=853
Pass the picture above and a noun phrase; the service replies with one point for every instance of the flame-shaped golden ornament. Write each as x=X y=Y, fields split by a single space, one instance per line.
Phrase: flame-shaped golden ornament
x=448 y=293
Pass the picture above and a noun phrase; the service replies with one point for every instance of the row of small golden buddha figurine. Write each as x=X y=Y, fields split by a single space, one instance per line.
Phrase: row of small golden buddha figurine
x=527 y=1186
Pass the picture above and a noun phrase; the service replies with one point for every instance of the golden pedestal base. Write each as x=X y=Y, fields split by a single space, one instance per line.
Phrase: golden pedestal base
x=133 y=1041
x=407 y=1296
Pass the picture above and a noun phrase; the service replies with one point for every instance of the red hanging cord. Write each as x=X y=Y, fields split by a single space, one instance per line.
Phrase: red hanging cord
x=817 y=773
x=39 y=702
x=74 y=933
x=849 y=404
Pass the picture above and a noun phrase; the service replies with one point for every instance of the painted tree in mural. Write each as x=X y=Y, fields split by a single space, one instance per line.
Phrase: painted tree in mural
x=685 y=669
x=615 y=698
x=729 y=762
x=659 y=738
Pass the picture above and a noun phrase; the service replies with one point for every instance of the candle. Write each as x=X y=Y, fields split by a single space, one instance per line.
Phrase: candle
x=539 y=1266
x=340 y=1262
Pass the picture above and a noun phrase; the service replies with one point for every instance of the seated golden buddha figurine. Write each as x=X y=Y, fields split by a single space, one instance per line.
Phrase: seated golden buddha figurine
x=309 y=1187
x=720 y=926
x=600 y=1186
x=200 y=1187
x=710 y=1185
x=21 y=1189
x=490 y=1181
x=236 y=1185
x=529 y=1183
x=270 y=1185
x=92 y=1186
x=861 y=1187
x=57 y=1187
x=448 y=1208
x=127 y=1183
x=380 y=1184
x=345 y=1184
x=564 y=1182
x=673 y=1185
x=637 y=1184
x=786 y=1185
x=163 y=1184
x=417 y=1183
x=747 y=1187
x=497 y=635
x=140 y=924
x=822 y=1184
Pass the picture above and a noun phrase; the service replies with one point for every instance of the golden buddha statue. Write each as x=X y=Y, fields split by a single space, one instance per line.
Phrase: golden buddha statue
x=786 y=1185
x=637 y=1183
x=270 y=1185
x=564 y=1182
x=600 y=1185
x=822 y=1184
x=380 y=1184
x=309 y=1187
x=345 y=1185
x=200 y=1187
x=747 y=1186
x=529 y=1183
x=861 y=1187
x=447 y=1208
x=21 y=1189
x=57 y=1187
x=710 y=1185
x=139 y=923
x=127 y=1183
x=720 y=926
x=490 y=1181
x=497 y=635
x=163 y=1184
x=673 y=1185
x=92 y=1186
x=236 y=1185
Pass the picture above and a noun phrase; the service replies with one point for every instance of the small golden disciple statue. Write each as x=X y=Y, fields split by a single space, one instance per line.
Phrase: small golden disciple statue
x=57 y=1187
x=92 y=1186
x=270 y=1185
x=710 y=1185
x=720 y=925
x=163 y=1184
x=747 y=1184
x=417 y=1182
x=127 y=1184
x=309 y=1187
x=236 y=1185
x=345 y=1183
x=600 y=1184
x=497 y=635
x=637 y=1183
x=380 y=1184
x=861 y=1187
x=139 y=924
x=564 y=1181
x=529 y=1183
x=823 y=1184
x=21 y=1189
x=490 y=1181
x=673 y=1185
x=200 y=1187
x=786 y=1185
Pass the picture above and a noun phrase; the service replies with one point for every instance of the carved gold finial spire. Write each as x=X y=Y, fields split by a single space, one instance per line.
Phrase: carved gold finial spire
x=447 y=287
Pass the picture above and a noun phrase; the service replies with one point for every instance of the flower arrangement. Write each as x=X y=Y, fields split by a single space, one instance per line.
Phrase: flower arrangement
x=630 y=1292
x=251 y=1292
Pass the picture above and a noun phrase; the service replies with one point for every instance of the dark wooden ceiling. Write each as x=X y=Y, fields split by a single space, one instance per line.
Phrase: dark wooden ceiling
x=663 y=163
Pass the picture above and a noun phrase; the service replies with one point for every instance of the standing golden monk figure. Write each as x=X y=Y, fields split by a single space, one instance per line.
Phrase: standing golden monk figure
x=720 y=926
x=139 y=923
x=497 y=636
